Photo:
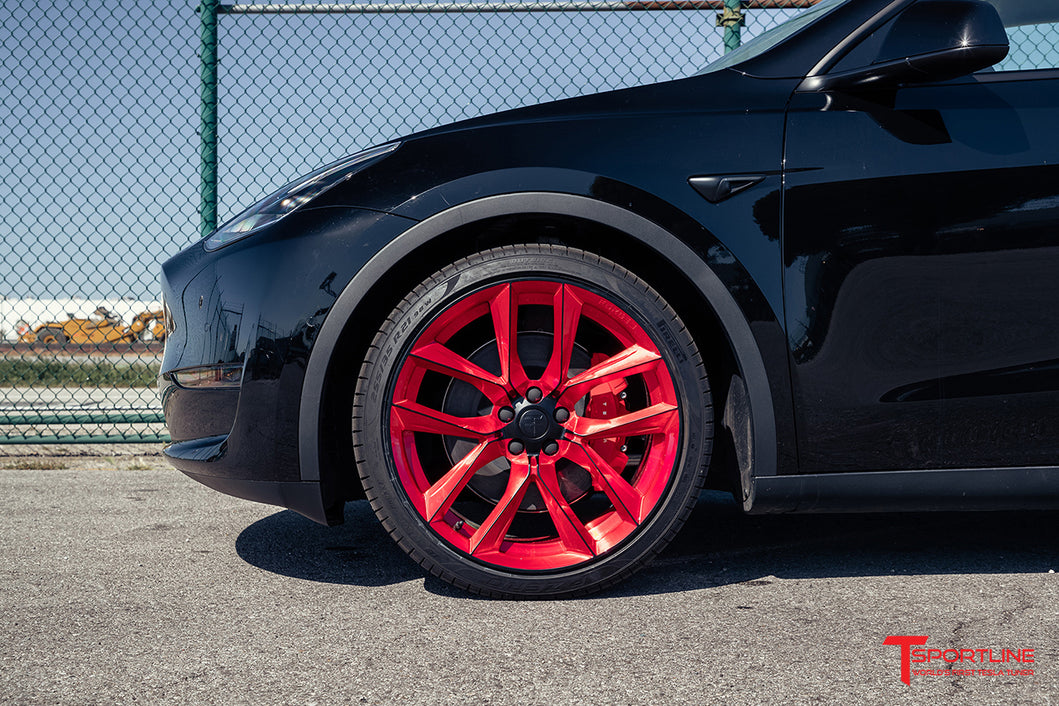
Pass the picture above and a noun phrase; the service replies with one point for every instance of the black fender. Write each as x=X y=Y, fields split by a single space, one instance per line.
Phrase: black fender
x=759 y=398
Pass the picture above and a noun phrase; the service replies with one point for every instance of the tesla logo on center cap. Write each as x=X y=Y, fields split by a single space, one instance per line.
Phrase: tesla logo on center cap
x=533 y=423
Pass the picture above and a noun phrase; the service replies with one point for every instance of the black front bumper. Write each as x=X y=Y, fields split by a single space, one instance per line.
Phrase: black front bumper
x=259 y=305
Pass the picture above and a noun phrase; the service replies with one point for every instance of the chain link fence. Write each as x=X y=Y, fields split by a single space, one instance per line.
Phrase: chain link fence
x=108 y=143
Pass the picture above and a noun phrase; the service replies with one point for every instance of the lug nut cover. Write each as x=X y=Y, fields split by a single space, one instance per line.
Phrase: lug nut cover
x=516 y=447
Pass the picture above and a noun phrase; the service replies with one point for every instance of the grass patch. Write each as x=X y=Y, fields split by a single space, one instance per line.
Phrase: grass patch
x=38 y=373
x=35 y=464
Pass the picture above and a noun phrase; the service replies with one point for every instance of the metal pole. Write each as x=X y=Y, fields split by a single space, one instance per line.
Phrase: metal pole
x=37 y=418
x=208 y=132
x=732 y=20
x=87 y=439
x=488 y=6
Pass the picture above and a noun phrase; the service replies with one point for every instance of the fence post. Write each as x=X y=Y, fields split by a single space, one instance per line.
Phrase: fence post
x=208 y=130
x=732 y=20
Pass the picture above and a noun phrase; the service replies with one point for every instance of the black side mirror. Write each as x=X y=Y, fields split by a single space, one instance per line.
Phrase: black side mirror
x=933 y=40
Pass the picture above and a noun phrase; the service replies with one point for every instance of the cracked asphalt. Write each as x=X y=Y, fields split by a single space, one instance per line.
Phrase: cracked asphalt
x=139 y=585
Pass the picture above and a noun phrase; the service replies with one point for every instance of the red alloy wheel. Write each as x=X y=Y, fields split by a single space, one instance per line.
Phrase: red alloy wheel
x=541 y=428
x=532 y=421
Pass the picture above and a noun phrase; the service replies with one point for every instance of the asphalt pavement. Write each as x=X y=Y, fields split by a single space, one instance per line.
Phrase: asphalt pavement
x=140 y=586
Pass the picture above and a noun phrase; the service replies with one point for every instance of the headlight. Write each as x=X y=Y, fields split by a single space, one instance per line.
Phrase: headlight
x=293 y=196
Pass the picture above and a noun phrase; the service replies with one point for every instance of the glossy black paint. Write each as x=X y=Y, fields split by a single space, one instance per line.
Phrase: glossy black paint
x=878 y=280
x=244 y=306
x=920 y=252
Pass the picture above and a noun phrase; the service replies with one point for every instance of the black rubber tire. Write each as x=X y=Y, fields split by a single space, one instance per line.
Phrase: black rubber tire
x=531 y=261
x=56 y=336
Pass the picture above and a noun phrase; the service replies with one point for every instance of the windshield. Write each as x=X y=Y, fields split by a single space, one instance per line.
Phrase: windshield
x=766 y=40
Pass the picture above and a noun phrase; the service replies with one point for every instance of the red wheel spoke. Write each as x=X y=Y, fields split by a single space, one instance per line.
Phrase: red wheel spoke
x=504 y=312
x=627 y=500
x=489 y=518
x=412 y=416
x=567 y=315
x=442 y=494
x=436 y=357
x=656 y=419
x=491 y=534
x=633 y=360
x=572 y=532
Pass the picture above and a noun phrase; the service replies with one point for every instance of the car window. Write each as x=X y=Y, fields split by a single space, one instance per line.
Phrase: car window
x=866 y=52
x=765 y=41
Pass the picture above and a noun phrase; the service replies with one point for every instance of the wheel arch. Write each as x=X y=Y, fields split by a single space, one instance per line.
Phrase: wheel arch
x=375 y=286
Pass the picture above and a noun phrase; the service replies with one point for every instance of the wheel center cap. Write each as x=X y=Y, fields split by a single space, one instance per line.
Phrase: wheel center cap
x=533 y=424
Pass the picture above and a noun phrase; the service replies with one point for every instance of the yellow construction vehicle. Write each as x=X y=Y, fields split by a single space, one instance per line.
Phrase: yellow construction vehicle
x=148 y=326
x=103 y=327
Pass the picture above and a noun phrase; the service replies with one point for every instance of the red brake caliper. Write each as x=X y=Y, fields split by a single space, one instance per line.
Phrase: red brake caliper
x=604 y=401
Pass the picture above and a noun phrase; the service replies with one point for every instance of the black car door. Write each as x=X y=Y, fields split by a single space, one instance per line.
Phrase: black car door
x=921 y=266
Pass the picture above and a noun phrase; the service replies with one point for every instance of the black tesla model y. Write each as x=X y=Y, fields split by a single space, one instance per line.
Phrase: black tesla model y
x=531 y=339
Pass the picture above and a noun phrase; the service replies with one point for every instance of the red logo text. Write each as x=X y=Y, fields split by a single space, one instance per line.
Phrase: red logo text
x=971 y=662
